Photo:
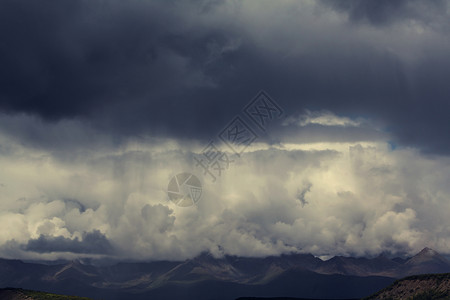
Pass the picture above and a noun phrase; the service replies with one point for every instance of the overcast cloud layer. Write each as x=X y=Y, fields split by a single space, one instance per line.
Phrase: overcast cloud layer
x=101 y=103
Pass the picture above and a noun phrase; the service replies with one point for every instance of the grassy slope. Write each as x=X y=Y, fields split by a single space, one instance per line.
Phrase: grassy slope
x=417 y=287
x=36 y=295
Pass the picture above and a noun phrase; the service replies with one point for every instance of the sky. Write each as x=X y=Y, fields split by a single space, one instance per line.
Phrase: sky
x=102 y=103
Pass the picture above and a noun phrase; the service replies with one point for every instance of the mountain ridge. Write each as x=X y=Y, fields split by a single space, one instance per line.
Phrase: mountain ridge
x=246 y=275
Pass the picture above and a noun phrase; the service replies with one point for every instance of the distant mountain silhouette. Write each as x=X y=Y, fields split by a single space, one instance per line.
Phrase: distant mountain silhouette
x=206 y=277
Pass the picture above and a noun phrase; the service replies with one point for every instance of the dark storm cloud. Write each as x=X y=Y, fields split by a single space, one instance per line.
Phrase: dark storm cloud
x=384 y=12
x=121 y=65
x=92 y=243
x=185 y=68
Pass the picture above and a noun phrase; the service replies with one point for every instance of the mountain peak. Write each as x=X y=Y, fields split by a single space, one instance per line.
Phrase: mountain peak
x=427 y=252
x=434 y=261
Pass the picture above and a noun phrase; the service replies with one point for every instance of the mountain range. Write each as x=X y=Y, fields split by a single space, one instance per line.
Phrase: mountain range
x=206 y=277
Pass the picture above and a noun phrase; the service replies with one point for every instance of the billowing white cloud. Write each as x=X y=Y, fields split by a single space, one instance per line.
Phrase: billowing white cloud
x=326 y=198
x=324 y=118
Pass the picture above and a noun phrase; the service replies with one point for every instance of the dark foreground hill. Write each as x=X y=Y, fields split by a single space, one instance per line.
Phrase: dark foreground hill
x=283 y=298
x=20 y=294
x=206 y=277
x=418 y=287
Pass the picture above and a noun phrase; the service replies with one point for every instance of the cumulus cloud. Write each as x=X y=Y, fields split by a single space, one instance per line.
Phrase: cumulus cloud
x=329 y=198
